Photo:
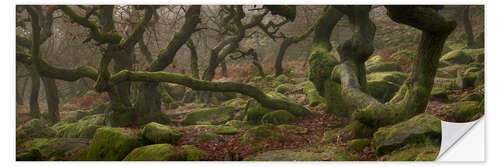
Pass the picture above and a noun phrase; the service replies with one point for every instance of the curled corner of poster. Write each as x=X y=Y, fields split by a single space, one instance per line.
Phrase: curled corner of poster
x=462 y=142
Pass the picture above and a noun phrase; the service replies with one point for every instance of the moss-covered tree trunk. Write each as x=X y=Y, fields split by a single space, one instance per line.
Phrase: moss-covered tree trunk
x=52 y=97
x=195 y=72
x=322 y=61
x=149 y=98
x=35 y=89
x=467 y=27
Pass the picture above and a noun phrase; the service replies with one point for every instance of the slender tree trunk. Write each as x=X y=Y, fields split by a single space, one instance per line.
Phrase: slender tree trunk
x=35 y=88
x=223 y=67
x=195 y=72
x=281 y=54
x=468 y=27
x=52 y=99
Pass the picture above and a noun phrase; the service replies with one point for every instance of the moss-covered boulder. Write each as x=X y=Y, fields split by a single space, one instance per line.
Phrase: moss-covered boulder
x=175 y=91
x=213 y=116
x=394 y=77
x=156 y=152
x=313 y=97
x=261 y=131
x=284 y=88
x=83 y=128
x=112 y=144
x=456 y=57
x=415 y=130
x=255 y=111
x=165 y=152
x=206 y=136
x=56 y=148
x=472 y=77
x=359 y=144
x=30 y=155
x=281 y=79
x=277 y=117
x=226 y=130
x=34 y=128
x=157 y=133
x=413 y=152
x=382 y=90
x=440 y=95
x=189 y=96
x=286 y=155
x=383 y=67
x=462 y=111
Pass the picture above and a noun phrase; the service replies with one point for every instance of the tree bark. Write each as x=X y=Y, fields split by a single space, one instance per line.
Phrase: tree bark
x=468 y=27
x=35 y=89
x=195 y=72
x=52 y=99
x=287 y=42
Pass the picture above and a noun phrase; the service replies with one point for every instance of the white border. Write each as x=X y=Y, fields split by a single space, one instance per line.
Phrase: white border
x=8 y=71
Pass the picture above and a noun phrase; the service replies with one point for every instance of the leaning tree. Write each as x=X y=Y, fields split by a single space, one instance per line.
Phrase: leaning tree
x=343 y=82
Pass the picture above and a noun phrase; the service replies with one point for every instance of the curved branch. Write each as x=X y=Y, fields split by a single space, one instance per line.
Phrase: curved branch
x=139 y=29
x=197 y=84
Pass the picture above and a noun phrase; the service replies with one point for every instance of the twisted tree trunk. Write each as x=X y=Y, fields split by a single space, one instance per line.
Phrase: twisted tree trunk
x=52 y=99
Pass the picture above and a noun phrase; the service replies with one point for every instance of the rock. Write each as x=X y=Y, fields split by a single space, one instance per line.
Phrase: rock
x=415 y=130
x=226 y=130
x=157 y=133
x=213 y=116
x=56 y=148
x=394 y=77
x=175 y=91
x=313 y=97
x=31 y=155
x=359 y=144
x=440 y=95
x=83 y=128
x=383 y=67
x=413 y=153
x=284 y=88
x=457 y=57
x=206 y=136
x=281 y=79
x=277 y=117
x=473 y=97
x=382 y=90
x=255 y=111
x=463 y=111
x=34 y=128
x=286 y=155
x=193 y=153
x=189 y=96
x=156 y=152
x=112 y=144
x=262 y=131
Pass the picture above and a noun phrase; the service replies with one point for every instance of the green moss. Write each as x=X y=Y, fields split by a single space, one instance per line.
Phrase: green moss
x=474 y=97
x=226 y=130
x=394 y=77
x=440 y=95
x=214 y=116
x=56 y=147
x=382 y=90
x=206 y=136
x=193 y=153
x=334 y=100
x=312 y=95
x=156 y=152
x=412 y=152
x=284 y=88
x=281 y=79
x=457 y=57
x=383 y=67
x=277 y=117
x=112 y=144
x=238 y=124
x=479 y=40
x=476 y=54
x=415 y=130
x=176 y=91
x=463 y=111
x=355 y=129
x=293 y=128
x=262 y=131
x=359 y=144
x=189 y=96
x=286 y=155
x=32 y=155
x=157 y=133
x=83 y=128
x=237 y=103
x=255 y=112
x=34 y=128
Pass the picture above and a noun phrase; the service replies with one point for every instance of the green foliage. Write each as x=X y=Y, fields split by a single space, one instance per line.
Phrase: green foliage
x=277 y=117
x=112 y=144
x=157 y=133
